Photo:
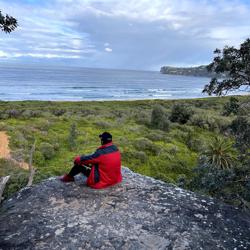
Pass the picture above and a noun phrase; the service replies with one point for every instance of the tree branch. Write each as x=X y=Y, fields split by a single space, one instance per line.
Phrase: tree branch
x=31 y=168
x=3 y=182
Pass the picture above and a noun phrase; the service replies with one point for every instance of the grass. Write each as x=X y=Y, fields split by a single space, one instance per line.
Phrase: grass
x=165 y=155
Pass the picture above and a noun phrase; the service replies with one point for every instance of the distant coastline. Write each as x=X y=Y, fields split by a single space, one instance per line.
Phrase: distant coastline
x=200 y=71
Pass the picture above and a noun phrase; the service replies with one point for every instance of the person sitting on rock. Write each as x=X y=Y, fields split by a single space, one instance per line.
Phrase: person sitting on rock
x=103 y=168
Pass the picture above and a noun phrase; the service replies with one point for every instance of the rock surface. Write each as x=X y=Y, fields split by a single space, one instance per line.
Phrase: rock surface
x=139 y=213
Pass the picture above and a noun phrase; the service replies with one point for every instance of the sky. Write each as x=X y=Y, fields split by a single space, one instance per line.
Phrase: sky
x=122 y=34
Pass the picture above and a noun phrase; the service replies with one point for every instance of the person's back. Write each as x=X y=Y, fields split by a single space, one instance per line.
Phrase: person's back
x=103 y=168
x=107 y=168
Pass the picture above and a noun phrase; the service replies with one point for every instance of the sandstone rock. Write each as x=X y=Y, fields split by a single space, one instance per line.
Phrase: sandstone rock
x=139 y=213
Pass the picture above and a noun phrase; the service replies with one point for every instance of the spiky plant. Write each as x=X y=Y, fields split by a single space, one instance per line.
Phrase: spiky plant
x=220 y=153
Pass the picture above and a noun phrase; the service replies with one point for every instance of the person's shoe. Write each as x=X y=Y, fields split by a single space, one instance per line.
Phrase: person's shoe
x=67 y=178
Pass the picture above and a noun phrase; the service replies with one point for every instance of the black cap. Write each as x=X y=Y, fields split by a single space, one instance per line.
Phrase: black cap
x=106 y=137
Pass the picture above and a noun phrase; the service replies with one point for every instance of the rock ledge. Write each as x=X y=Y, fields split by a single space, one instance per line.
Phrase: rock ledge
x=139 y=213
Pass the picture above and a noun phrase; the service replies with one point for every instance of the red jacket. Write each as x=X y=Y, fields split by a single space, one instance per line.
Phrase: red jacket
x=106 y=166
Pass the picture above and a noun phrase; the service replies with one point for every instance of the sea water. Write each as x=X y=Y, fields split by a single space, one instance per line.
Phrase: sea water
x=26 y=82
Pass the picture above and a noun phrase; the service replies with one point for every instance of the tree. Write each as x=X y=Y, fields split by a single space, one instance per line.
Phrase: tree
x=7 y=23
x=234 y=65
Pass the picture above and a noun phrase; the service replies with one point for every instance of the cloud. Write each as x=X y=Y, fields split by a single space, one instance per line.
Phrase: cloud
x=141 y=34
x=108 y=49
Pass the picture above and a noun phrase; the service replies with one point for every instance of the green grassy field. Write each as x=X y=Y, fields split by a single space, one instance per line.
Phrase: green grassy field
x=166 y=153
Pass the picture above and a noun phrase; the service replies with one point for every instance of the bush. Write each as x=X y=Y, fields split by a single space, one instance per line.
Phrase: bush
x=156 y=136
x=142 y=118
x=210 y=122
x=18 y=179
x=42 y=125
x=241 y=129
x=180 y=113
x=13 y=113
x=230 y=185
x=159 y=119
x=47 y=150
x=156 y=117
x=72 y=136
x=38 y=159
x=231 y=107
x=193 y=142
x=147 y=145
x=18 y=140
x=58 y=112
x=135 y=155
x=199 y=120
x=244 y=108
x=103 y=124
x=30 y=113
x=220 y=153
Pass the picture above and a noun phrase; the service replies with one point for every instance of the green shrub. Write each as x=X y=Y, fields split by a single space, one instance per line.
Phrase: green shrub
x=18 y=140
x=241 y=129
x=142 y=118
x=43 y=125
x=135 y=155
x=220 y=153
x=173 y=150
x=13 y=113
x=158 y=113
x=147 y=145
x=58 y=112
x=156 y=136
x=38 y=159
x=28 y=113
x=103 y=124
x=210 y=122
x=18 y=177
x=199 y=120
x=180 y=113
x=231 y=107
x=194 y=143
x=72 y=136
x=47 y=150
x=230 y=185
x=159 y=119
x=3 y=116
x=244 y=108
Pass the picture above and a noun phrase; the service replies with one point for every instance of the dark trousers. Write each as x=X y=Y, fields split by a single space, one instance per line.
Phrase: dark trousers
x=77 y=169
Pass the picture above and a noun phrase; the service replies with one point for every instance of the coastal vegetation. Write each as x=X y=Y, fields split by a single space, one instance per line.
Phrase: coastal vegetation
x=199 y=144
x=228 y=71
x=187 y=71
x=232 y=62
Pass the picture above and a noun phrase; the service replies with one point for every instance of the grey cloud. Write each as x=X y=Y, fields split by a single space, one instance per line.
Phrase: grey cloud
x=141 y=34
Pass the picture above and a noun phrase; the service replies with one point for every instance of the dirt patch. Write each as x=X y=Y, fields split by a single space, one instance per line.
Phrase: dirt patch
x=5 y=150
x=4 y=145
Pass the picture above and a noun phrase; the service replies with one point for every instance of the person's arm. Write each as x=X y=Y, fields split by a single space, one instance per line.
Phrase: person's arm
x=88 y=159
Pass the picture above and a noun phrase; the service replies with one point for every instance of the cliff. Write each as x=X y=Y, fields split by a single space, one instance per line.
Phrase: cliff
x=139 y=213
x=188 y=71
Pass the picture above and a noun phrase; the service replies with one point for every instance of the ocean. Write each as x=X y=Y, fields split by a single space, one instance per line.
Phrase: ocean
x=54 y=83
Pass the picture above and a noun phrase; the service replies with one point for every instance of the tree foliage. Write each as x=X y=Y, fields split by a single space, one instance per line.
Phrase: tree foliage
x=234 y=65
x=230 y=185
x=180 y=113
x=231 y=107
x=7 y=23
